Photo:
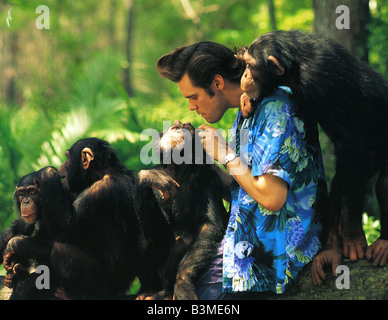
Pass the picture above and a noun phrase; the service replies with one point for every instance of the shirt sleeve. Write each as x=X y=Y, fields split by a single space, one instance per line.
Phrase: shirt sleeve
x=275 y=141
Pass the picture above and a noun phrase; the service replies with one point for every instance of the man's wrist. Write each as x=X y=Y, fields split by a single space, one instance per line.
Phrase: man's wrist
x=230 y=158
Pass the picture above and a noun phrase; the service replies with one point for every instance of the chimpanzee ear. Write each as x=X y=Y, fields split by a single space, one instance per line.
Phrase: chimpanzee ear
x=87 y=156
x=279 y=70
x=36 y=182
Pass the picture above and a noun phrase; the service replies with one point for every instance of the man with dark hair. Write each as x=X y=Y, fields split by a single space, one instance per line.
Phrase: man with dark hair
x=211 y=57
x=273 y=231
x=208 y=75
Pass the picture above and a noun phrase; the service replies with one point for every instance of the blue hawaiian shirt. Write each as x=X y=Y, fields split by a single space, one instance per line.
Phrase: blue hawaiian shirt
x=265 y=250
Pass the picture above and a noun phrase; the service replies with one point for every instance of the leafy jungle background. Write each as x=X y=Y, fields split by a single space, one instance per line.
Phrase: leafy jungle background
x=92 y=73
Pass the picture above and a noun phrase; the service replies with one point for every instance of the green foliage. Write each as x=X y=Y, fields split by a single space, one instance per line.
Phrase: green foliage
x=68 y=80
x=371 y=228
x=97 y=108
x=378 y=30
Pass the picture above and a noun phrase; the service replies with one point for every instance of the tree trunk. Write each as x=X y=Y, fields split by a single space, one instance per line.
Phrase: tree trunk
x=354 y=38
x=128 y=42
x=11 y=94
x=272 y=16
x=112 y=24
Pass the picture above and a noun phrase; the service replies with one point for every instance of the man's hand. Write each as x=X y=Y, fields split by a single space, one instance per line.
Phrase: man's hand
x=213 y=143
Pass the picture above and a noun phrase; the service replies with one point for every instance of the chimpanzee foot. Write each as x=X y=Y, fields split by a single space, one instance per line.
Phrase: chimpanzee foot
x=61 y=294
x=161 y=295
x=328 y=257
x=142 y=296
x=378 y=252
x=354 y=242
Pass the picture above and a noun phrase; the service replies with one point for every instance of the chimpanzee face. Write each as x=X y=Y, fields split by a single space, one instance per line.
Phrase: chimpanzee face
x=64 y=171
x=262 y=77
x=248 y=83
x=174 y=137
x=74 y=171
x=27 y=197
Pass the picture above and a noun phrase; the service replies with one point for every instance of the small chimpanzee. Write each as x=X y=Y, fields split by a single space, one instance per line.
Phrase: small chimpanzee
x=45 y=215
x=350 y=102
x=98 y=257
x=182 y=217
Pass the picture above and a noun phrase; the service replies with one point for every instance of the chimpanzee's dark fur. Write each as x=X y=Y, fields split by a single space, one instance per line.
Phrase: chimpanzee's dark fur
x=182 y=225
x=31 y=242
x=350 y=102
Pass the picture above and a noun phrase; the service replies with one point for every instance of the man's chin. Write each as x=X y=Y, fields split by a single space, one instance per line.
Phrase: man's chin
x=212 y=119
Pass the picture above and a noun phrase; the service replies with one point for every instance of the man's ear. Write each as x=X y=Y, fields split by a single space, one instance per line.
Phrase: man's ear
x=87 y=157
x=279 y=70
x=218 y=82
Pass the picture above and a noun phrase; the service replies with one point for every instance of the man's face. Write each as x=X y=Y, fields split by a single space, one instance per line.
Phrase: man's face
x=211 y=108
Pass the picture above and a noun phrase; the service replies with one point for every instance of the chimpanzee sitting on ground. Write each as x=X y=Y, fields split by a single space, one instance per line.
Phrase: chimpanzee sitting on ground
x=95 y=257
x=45 y=215
x=182 y=217
x=98 y=257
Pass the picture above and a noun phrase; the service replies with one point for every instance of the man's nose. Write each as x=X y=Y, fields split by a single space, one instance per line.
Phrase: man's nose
x=192 y=106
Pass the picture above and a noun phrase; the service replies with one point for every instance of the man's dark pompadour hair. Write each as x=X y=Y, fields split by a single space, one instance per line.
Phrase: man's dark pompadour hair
x=201 y=61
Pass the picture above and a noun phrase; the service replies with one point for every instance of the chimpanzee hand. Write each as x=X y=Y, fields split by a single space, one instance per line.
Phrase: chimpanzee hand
x=246 y=106
x=10 y=258
x=160 y=181
x=378 y=252
x=327 y=257
x=8 y=261
x=14 y=270
x=9 y=280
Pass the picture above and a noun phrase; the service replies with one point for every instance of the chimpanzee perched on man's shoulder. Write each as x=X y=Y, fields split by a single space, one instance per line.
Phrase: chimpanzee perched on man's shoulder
x=350 y=102
x=182 y=217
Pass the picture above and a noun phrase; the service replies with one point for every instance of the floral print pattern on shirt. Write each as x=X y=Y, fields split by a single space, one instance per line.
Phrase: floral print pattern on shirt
x=265 y=250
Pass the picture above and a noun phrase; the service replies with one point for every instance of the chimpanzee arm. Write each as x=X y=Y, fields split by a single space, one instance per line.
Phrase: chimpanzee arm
x=104 y=209
x=18 y=227
x=56 y=206
x=201 y=252
x=160 y=180
x=177 y=251
x=157 y=238
x=29 y=247
x=92 y=201
x=226 y=180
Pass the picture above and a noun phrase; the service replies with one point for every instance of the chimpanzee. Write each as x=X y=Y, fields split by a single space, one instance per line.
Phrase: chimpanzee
x=45 y=216
x=350 y=102
x=97 y=258
x=182 y=217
